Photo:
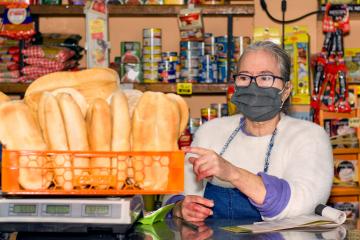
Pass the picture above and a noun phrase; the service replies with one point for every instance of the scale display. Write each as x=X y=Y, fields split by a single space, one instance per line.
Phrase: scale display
x=97 y=210
x=27 y=209
x=57 y=209
x=67 y=210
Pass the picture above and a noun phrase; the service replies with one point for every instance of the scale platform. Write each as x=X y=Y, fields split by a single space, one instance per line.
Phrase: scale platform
x=67 y=214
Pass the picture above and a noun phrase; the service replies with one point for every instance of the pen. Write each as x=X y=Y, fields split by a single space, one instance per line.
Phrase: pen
x=188 y=224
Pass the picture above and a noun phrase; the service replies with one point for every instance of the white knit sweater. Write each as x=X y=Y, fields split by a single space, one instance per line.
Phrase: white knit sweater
x=301 y=155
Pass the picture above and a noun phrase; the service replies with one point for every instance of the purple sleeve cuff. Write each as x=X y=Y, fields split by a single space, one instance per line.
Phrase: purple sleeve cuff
x=173 y=199
x=276 y=198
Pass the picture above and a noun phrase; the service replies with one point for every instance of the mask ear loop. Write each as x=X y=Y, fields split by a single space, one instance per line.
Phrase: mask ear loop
x=282 y=90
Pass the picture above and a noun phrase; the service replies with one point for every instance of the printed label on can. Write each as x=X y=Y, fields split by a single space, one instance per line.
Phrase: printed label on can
x=209 y=69
x=151 y=66
x=208 y=114
x=151 y=32
x=221 y=108
x=151 y=58
x=189 y=45
x=152 y=50
x=151 y=42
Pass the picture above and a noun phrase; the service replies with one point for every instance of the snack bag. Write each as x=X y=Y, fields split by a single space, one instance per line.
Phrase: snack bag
x=17 y=22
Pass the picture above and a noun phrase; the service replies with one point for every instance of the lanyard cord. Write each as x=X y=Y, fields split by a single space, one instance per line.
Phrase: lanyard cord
x=235 y=132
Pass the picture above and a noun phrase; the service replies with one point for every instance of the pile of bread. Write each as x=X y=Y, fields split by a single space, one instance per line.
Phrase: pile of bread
x=88 y=111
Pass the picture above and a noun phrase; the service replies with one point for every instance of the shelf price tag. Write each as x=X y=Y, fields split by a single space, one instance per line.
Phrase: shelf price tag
x=184 y=88
x=354 y=122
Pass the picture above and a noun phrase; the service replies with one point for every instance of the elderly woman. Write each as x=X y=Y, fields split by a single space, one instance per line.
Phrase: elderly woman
x=260 y=164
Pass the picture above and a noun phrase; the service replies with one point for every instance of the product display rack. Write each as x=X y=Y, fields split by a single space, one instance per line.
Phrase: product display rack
x=227 y=10
x=344 y=193
x=141 y=10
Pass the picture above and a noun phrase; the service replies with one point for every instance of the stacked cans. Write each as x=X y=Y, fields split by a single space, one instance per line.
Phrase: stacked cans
x=209 y=69
x=151 y=54
x=222 y=48
x=191 y=54
x=169 y=67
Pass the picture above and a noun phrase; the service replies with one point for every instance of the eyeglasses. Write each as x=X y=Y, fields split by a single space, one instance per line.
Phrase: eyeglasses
x=263 y=81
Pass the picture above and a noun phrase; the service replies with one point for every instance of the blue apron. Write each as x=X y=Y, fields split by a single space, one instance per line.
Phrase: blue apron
x=230 y=203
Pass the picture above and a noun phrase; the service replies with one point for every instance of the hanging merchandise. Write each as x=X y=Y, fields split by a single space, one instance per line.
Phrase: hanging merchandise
x=330 y=90
x=297 y=45
x=97 y=44
x=267 y=34
x=191 y=24
x=17 y=22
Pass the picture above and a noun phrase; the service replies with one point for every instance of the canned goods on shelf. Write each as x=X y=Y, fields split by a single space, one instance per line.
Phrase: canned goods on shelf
x=193 y=52
x=153 y=75
x=151 y=58
x=168 y=54
x=152 y=66
x=153 y=50
x=151 y=42
x=208 y=114
x=221 y=108
x=186 y=45
x=190 y=72
x=152 y=32
x=191 y=63
x=209 y=69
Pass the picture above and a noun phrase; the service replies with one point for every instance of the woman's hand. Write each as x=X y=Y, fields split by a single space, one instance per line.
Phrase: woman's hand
x=209 y=164
x=193 y=208
x=203 y=232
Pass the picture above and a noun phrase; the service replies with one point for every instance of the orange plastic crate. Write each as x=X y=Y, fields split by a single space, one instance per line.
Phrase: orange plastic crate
x=145 y=173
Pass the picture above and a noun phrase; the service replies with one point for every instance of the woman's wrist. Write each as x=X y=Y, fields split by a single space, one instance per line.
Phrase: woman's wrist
x=177 y=209
x=234 y=175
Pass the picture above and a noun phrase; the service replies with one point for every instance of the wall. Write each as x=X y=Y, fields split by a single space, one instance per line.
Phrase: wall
x=130 y=29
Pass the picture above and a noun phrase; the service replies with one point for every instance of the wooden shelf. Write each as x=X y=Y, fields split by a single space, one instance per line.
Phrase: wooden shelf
x=13 y=88
x=141 y=10
x=346 y=150
x=199 y=88
x=345 y=191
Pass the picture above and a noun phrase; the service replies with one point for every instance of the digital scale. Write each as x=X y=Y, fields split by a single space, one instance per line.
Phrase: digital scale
x=96 y=213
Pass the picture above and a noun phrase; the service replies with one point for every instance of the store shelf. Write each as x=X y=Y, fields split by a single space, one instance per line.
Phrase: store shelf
x=200 y=88
x=145 y=10
x=197 y=88
x=345 y=191
x=346 y=150
x=13 y=88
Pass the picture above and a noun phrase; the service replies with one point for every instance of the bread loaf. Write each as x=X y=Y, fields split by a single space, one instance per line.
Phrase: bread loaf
x=133 y=96
x=20 y=131
x=4 y=97
x=121 y=130
x=183 y=109
x=98 y=121
x=91 y=83
x=155 y=127
x=77 y=96
x=76 y=135
x=55 y=134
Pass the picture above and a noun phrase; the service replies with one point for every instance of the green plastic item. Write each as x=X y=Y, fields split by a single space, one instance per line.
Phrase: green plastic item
x=156 y=216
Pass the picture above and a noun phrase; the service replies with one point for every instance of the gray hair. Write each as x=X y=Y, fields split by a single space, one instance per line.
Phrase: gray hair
x=280 y=55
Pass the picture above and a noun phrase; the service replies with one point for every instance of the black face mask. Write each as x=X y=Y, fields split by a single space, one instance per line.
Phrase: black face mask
x=257 y=104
